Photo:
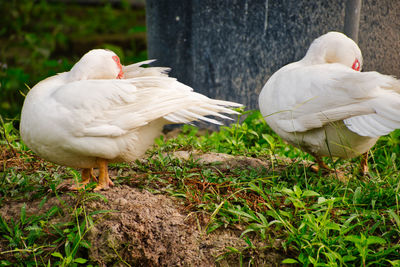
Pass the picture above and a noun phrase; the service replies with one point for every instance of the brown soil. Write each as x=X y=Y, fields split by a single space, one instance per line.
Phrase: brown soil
x=146 y=229
x=143 y=229
x=151 y=230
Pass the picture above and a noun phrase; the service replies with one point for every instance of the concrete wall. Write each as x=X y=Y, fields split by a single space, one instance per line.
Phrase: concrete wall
x=379 y=36
x=227 y=49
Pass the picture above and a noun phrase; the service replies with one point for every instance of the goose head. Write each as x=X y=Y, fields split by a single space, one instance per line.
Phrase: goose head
x=97 y=64
x=334 y=47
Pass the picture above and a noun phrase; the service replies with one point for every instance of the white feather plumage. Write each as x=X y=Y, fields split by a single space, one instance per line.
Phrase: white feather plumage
x=323 y=106
x=75 y=118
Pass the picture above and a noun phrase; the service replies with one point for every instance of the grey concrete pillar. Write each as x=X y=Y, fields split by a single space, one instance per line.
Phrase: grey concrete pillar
x=227 y=49
x=352 y=19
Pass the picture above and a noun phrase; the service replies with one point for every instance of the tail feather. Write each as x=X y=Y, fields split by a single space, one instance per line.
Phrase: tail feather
x=172 y=100
x=199 y=113
x=135 y=70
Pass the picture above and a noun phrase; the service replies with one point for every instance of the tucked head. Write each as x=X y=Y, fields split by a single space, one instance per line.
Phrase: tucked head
x=97 y=64
x=335 y=47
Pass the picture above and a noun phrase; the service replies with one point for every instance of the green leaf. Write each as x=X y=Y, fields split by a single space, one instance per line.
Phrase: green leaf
x=213 y=226
x=52 y=211
x=302 y=225
x=332 y=256
x=297 y=191
x=4 y=225
x=5 y=263
x=333 y=226
x=57 y=254
x=395 y=263
x=23 y=214
x=68 y=259
x=248 y=230
x=80 y=260
x=303 y=258
x=312 y=260
x=289 y=261
x=321 y=200
x=285 y=213
x=270 y=140
x=253 y=133
x=287 y=191
x=375 y=240
x=349 y=258
x=353 y=238
x=310 y=193
x=244 y=214
x=395 y=217
x=263 y=219
x=85 y=244
x=235 y=250
x=357 y=196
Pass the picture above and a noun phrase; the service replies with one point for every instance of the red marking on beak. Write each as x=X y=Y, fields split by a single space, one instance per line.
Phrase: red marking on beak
x=121 y=73
x=356 y=65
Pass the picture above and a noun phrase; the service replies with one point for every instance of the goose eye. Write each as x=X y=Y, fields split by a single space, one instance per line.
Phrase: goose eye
x=356 y=65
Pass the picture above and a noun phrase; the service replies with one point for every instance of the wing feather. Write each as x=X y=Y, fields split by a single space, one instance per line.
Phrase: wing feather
x=312 y=96
x=112 y=108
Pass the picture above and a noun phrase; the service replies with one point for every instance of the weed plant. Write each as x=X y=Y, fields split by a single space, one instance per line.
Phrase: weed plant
x=317 y=219
x=313 y=219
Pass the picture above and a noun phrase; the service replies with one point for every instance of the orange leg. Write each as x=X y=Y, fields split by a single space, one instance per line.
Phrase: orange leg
x=104 y=180
x=364 y=164
x=87 y=177
x=320 y=165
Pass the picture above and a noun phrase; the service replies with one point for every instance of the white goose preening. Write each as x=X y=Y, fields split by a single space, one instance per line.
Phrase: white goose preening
x=324 y=105
x=101 y=112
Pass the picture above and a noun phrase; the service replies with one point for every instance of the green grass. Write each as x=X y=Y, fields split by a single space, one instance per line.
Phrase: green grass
x=314 y=219
x=39 y=39
x=320 y=220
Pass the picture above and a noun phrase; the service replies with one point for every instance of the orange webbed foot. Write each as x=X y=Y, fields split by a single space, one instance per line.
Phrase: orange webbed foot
x=104 y=179
x=87 y=177
x=340 y=175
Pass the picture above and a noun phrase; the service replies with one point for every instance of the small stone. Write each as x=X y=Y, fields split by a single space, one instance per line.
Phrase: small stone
x=121 y=201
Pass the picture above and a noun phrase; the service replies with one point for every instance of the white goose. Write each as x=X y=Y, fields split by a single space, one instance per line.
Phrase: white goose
x=325 y=106
x=101 y=112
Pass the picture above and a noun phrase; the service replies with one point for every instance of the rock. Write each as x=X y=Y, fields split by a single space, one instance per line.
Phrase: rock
x=221 y=160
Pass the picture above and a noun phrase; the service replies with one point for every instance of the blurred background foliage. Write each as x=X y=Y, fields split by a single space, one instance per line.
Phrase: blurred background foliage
x=41 y=38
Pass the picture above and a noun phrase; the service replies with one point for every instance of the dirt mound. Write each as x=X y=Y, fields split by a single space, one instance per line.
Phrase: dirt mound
x=149 y=230
x=146 y=229
x=143 y=229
